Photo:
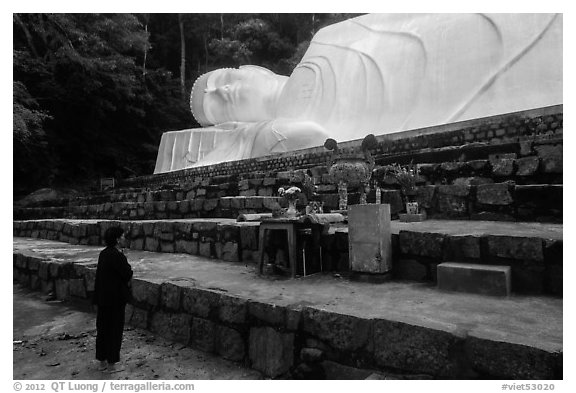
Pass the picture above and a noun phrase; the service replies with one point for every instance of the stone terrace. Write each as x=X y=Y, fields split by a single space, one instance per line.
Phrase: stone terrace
x=281 y=326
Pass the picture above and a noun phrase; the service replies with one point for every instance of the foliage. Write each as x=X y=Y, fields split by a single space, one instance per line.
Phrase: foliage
x=405 y=176
x=93 y=93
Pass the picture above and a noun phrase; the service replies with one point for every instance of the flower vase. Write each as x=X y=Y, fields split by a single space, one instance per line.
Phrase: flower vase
x=412 y=207
x=292 y=212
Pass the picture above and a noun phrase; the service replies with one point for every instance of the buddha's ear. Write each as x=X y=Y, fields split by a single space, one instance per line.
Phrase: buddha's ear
x=197 y=99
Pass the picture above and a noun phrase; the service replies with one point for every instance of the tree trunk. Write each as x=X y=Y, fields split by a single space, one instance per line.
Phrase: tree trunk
x=145 y=54
x=221 y=26
x=27 y=34
x=182 y=57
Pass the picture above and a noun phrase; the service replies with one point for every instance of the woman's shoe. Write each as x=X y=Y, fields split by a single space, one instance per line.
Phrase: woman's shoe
x=102 y=365
x=115 y=368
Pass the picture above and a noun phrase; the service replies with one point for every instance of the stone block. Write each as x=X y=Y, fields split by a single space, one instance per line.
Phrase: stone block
x=145 y=292
x=34 y=264
x=186 y=246
x=44 y=270
x=230 y=252
x=184 y=207
x=200 y=302
x=265 y=192
x=196 y=205
x=203 y=334
x=474 y=278
x=77 y=288
x=90 y=278
x=452 y=168
x=248 y=193
x=521 y=248
x=271 y=203
x=423 y=244
x=232 y=309
x=340 y=331
x=170 y=296
x=62 y=289
x=206 y=228
x=238 y=203
x=205 y=249
x=494 y=194
x=35 y=283
x=503 y=167
x=167 y=247
x=243 y=185
x=472 y=181
x=249 y=237
x=230 y=344
x=479 y=165
x=551 y=158
x=210 y=204
x=254 y=203
x=271 y=352
x=137 y=244
x=527 y=166
x=174 y=327
x=228 y=233
x=270 y=314
x=465 y=246
x=415 y=349
x=137 y=317
x=151 y=244
x=508 y=360
x=46 y=286
x=452 y=201
x=20 y=261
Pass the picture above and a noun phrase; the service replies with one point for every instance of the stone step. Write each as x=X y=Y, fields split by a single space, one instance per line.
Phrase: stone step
x=474 y=278
x=228 y=309
x=534 y=251
x=493 y=201
x=221 y=207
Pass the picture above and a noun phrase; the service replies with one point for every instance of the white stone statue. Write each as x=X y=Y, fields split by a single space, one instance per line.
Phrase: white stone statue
x=378 y=73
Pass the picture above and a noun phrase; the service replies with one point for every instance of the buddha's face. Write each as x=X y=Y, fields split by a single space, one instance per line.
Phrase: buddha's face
x=248 y=94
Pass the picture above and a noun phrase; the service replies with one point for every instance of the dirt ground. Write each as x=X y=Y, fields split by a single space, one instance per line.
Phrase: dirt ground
x=54 y=340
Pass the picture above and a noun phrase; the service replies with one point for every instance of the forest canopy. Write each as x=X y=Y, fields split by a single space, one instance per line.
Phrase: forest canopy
x=93 y=93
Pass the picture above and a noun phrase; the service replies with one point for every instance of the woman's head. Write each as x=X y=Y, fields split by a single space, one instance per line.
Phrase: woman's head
x=247 y=94
x=112 y=235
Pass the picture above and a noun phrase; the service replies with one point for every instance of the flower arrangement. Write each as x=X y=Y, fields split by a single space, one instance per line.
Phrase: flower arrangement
x=290 y=193
x=405 y=176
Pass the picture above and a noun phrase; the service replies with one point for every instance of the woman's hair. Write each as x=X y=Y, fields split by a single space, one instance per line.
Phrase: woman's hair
x=112 y=235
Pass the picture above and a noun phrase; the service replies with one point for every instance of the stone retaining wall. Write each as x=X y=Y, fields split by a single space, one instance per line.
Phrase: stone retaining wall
x=283 y=341
x=537 y=264
x=471 y=199
x=519 y=131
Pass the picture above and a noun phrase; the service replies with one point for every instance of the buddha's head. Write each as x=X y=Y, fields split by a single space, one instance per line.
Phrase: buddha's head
x=246 y=94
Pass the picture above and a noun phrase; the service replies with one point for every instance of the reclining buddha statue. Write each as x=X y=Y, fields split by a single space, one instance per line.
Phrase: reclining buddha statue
x=379 y=74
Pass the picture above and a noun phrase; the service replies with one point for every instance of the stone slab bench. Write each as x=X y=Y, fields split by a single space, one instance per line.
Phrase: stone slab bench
x=227 y=309
x=474 y=278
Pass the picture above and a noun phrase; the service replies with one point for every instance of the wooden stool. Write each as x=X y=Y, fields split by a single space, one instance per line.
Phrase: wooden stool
x=290 y=226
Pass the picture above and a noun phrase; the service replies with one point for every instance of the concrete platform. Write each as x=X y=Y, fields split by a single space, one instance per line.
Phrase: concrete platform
x=403 y=325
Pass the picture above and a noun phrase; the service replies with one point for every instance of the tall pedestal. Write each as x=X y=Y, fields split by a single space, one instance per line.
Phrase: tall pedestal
x=370 y=239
